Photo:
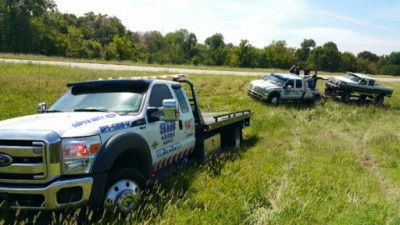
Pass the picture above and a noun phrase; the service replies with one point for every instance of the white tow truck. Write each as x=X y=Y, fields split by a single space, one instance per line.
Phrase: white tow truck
x=103 y=140
x=276 y=87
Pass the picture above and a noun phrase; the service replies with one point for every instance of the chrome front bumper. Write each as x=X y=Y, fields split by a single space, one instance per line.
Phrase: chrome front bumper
x=257 y=95
x=48 y=194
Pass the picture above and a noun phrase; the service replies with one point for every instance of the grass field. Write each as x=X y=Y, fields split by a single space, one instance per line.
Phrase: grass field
x=333 y=163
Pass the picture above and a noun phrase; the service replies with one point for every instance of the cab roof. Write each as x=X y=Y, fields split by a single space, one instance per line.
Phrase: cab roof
x=360 y=75
x=287 y=76
x=112 y=82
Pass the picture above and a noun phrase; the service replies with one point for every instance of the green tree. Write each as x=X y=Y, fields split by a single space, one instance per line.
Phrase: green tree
x=121 y=48
x=15 y=22
x=348 y=62
x=277 y=55
x=368 y=56
x=180 y=46
x=101 y=28
x=390 y=65
x=304 y=51
x=216 y=50
x=244 y=55
x=155 y=43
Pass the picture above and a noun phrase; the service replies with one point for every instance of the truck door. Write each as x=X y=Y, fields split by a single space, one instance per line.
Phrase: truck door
x=298 y=90
x=164 y=137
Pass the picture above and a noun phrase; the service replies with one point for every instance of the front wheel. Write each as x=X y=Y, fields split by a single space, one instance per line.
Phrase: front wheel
x=379 y=99
x=274 y=99
x=346 y=96
x=328 y=91
x=124 y=190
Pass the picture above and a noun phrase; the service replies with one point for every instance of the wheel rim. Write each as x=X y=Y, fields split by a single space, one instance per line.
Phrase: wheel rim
x=274 y=100
x=125 y=194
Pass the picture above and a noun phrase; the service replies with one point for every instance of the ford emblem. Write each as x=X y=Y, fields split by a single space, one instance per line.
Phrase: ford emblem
x=5 y=160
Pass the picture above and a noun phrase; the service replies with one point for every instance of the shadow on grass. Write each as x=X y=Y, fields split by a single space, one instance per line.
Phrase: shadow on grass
x=357 y=101
x=292 y=105
x=160 y=197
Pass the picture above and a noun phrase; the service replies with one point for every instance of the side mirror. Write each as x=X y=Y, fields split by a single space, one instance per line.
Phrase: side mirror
x=289 y=87
x=41 y=107
x=170 y=109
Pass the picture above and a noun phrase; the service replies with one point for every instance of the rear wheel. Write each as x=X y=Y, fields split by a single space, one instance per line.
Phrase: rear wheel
x=346 y=96
x=363 y=99
x=124 y=190
x=379 y=99
x=232 y=136
x=316 y=99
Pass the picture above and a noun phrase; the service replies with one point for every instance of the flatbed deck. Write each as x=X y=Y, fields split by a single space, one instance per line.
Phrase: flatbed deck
x=213 y=121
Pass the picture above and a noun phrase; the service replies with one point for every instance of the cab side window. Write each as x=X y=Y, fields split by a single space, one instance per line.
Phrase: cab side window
x=299 y=84
x=289 y=82
x=363 y=82
x=182 y=100
x=158 y=94
x=371 y=83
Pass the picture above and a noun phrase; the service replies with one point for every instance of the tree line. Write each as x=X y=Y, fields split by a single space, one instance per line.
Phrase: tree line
x=37 y=27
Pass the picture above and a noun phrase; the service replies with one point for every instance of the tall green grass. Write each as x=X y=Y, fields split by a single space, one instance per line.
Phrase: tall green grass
x=299 y=164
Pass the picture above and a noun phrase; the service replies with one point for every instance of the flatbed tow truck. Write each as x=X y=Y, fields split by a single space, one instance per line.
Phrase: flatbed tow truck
x=104 y=140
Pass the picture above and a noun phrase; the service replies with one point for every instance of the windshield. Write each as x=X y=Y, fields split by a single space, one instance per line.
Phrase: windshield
x=102 y=98
x=278 y=80
x=353 y=77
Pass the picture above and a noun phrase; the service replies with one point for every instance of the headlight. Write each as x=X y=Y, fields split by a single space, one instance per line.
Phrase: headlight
x=78 y=154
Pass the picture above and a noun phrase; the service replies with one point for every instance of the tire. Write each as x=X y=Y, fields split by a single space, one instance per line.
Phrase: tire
x=316 y=99
x=232 y=136
x=363 y=99
x=379 y=99
x=124 y=190
x=328 y=91
x=274 y=99
x=345 y=96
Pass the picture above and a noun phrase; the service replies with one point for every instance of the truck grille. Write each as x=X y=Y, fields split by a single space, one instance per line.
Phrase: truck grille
x=22 y=160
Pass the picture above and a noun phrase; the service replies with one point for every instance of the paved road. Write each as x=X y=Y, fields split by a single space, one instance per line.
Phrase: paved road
x=153 y=69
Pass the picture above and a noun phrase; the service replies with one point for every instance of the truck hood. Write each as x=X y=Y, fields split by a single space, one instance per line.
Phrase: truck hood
x=344 y=79
x=71 y=124
x=264 y=84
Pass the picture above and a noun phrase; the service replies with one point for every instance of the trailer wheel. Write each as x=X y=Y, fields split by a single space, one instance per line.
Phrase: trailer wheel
x=124 y=190
x=379 y=99
x=232 y=136
x=346 y=96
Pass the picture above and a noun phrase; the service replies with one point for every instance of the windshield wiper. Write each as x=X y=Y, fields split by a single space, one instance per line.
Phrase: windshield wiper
x=90 y=110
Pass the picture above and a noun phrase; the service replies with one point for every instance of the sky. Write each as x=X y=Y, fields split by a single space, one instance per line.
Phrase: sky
x=354 y=25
